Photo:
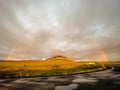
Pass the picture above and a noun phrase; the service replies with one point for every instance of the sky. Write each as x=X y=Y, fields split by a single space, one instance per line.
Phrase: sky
x=77 y=29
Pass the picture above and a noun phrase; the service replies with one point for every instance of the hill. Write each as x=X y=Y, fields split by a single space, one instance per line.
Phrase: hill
x=54 y=66
x=58 y=58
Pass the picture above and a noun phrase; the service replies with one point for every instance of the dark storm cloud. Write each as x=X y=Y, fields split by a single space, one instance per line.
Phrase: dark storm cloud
x=35 y=29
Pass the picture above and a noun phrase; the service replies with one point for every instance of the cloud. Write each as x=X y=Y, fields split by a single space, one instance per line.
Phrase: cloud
x=41 y=28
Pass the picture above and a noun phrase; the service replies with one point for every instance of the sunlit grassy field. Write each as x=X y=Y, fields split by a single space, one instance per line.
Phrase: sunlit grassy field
x=51 y=67
x=112 y=62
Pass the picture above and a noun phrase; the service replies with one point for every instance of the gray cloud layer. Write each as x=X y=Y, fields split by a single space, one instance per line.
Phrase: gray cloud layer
x=35 y=29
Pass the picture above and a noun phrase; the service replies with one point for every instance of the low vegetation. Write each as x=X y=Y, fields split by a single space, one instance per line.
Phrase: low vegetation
x=52 y=67
x=113 y=62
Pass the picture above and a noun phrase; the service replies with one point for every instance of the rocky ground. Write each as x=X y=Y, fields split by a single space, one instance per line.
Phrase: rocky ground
x=102 y=80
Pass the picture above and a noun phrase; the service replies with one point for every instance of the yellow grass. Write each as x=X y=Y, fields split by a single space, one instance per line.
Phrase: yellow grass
x=53 y=66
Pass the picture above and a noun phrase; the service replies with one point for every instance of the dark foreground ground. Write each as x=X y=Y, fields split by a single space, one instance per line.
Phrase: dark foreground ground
x=102 y=80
